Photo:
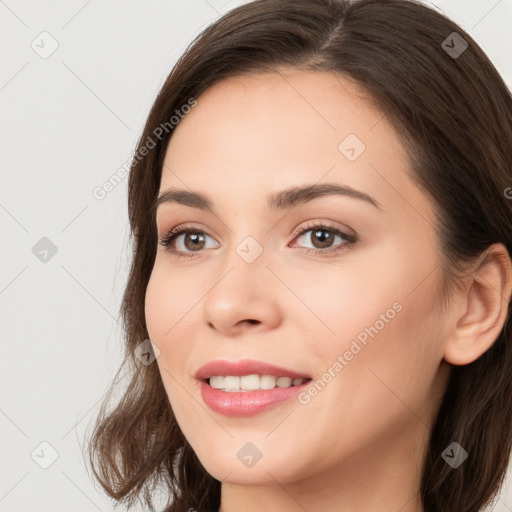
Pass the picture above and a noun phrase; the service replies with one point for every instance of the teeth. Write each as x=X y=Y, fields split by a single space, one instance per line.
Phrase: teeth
x=267 y=382
x=252 y=382
x=231 y=383
x=217 y=382
x=284 y=382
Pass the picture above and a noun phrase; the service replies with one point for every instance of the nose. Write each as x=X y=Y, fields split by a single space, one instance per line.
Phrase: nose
x=242 y=297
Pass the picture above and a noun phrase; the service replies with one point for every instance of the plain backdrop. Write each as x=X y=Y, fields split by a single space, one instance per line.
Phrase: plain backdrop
x=76 y=82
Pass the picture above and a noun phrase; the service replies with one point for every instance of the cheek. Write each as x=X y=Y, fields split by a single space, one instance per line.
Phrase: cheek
x=391 y=352
x=384 y=322
x=167 y=301
x=171 y=312
x=164 y=307
x=384 y=385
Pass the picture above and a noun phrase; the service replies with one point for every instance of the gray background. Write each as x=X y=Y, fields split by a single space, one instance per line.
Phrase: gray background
x=69 y=121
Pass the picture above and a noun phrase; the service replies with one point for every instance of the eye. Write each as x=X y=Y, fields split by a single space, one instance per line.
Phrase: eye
x=193 y=240
x=323 y=236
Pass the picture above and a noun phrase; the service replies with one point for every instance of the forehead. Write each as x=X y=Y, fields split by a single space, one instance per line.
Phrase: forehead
x=289 y=113
x=255 y=134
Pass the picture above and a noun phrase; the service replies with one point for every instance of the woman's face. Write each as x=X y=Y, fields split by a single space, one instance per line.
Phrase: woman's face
x=357 y=312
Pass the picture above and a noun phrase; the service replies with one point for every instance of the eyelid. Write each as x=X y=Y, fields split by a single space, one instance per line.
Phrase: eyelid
x=326 y=224
x=179 y=230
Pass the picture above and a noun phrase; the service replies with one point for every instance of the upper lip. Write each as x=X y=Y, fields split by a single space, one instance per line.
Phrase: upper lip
x=245 y=367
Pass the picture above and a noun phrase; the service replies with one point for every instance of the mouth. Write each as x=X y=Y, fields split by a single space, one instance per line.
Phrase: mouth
x=247 y=387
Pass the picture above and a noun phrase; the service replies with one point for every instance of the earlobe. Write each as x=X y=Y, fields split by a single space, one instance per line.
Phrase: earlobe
x=483 y=308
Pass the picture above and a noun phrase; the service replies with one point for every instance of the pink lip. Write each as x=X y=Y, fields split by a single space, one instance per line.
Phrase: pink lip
x=246 y=403
x=245 y=367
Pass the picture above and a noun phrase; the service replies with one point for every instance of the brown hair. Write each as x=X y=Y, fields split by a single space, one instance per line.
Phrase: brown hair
x=454 y=115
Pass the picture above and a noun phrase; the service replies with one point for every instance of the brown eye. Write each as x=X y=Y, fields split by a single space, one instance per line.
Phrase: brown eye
x=193 y=241
x=184 y=240
x=323 y=238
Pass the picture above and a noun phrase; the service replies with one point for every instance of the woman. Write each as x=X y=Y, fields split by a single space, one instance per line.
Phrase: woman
x=340 y=341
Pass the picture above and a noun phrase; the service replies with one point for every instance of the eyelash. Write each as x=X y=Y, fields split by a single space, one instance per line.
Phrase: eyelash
x=167 y=239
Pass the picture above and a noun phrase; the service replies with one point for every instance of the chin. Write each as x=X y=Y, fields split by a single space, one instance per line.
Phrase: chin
x=231 y=469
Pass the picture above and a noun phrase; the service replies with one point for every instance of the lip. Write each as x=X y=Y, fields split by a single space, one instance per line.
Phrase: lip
x=245 y=367
x=246 y=403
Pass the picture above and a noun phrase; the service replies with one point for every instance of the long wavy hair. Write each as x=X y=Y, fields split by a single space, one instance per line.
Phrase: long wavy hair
x=453 y=112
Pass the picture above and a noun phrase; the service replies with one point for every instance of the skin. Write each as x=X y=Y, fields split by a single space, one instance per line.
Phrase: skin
x=361 y=440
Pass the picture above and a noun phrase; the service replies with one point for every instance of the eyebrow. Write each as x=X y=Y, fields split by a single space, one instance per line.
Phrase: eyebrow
x=278 y=201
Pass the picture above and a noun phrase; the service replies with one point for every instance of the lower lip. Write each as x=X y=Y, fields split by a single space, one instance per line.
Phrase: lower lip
x=247 y=403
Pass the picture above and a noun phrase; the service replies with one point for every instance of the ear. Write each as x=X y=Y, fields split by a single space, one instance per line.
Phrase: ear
x=480 y=308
